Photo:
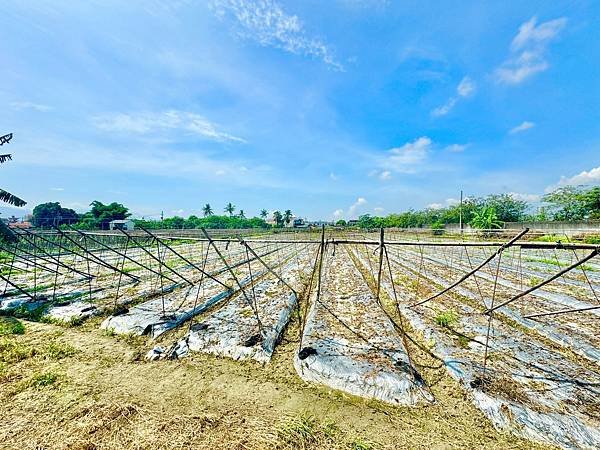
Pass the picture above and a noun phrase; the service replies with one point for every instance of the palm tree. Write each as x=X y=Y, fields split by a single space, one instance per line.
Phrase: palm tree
x=5 y=196
x=229 y=208
x=278 y=218
x=241 y=215
x=263 y=213
x=287 y=216
x=207 y=210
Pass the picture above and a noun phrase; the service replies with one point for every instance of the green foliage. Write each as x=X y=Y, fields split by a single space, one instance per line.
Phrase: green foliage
x=100 y=215
x=209 y=222
x=207 y=210
x=51 y=213
x=59 y=350
x=486 y=218
x=305 y=431
x=447 y=319
x=10 y=325
x=6 y=234
x=574 y=203
x=12 y=351
x=341 y=223
x=229 y=208
x=278 y=218
x=42 y=379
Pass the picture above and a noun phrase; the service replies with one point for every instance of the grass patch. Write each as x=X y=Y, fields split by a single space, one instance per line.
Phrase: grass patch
x=362 y=444
x=12 y=351
x=59 y=350
x=447 y=319
x=10 y=325
x=38 y=380
x=305 y=432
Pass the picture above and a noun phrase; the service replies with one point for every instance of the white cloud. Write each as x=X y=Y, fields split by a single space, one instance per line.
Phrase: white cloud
x=338 y=214
x=525 y=197
x=465 y=89
x=385 y=175
x=585 y=178
x=57 y=189
x=353 y=211
x=522 y=127
x=265 y=22
x=435 y=206
x=144 y=123
x=405 y=158
x=378 y=210
x=457 y=148
x=19 y=106
x=528 y=50
x=445 y=108
x=333 y=176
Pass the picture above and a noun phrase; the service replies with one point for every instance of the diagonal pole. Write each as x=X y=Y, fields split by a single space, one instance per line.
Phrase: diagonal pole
x=467 y=275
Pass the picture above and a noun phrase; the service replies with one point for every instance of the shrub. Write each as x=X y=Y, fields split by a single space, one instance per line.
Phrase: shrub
x=10 y=325
x=446 y=319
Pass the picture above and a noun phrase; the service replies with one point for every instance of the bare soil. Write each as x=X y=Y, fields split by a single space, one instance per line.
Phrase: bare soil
x=79 y=388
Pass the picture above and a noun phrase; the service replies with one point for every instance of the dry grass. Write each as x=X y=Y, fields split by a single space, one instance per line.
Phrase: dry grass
x=93 y=391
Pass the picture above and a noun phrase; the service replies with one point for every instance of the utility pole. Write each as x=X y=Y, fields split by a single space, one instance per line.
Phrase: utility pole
x=460 y=221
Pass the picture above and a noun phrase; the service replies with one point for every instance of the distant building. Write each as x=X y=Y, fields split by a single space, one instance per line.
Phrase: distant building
x=299 y=223
x=20 y=225
x=126 y=224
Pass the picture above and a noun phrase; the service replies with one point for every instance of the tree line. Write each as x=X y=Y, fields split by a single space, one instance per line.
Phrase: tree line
x=568 y=203
x=47 y=215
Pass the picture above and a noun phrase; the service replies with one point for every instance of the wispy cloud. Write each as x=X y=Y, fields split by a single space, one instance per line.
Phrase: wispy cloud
x=465 y=88
x=265 y=22
x=404 y=159
x=143 y=123
x=457 y=148
x=522 y=127
x=20 y=106
x=163 y=162
x=57 y=189
x=528 y=50
x=385 y=175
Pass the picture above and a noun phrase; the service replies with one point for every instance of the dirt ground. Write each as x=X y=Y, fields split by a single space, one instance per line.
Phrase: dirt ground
x=79 y=388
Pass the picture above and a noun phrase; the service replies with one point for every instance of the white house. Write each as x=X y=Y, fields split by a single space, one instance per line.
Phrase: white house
x=126 y=224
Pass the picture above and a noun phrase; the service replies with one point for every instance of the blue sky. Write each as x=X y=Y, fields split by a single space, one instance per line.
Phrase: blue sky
x=332 y=109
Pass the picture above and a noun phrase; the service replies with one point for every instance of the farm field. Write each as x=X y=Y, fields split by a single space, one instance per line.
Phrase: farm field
x=298 y=340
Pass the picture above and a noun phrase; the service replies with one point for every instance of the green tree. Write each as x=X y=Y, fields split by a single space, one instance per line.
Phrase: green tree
x=287 y=216
x=207 y=210
x=278 y=218
x=263 y=214
x=52 y=214
x=100 y=215
x=508 y=209
x=241 y=214
x=568 y=203
x=229 y=208
x=486 y=219
x=341 y=223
